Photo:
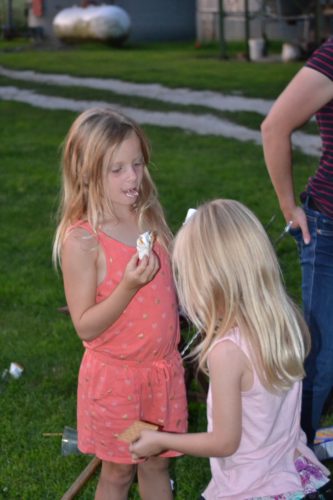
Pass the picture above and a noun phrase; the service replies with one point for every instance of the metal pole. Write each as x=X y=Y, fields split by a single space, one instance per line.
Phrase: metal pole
x=318 y=23
x=223 y=48
x=9 y=15
x=247 y=28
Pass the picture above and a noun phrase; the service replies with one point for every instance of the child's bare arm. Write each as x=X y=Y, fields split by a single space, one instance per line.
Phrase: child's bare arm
x=79 y=265
x=227 y=366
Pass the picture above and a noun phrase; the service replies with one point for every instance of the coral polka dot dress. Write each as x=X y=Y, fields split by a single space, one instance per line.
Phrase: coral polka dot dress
x=133 y=370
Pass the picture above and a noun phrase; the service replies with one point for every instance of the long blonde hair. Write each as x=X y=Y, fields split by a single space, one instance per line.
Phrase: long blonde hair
x=87 y=151
x=227 y=275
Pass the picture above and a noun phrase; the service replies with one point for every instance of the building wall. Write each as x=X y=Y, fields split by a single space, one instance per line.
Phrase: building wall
x=161 y=19
x=151 y=19
x=277 y=23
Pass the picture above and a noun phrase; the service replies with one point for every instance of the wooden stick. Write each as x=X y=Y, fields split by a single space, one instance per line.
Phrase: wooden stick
x=63 y=309
x=49 y=434
x=81 y=480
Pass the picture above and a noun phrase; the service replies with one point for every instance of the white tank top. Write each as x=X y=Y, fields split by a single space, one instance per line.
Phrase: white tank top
x=263 y=465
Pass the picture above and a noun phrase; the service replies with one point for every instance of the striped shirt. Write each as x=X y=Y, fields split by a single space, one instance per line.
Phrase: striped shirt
x=320 y=186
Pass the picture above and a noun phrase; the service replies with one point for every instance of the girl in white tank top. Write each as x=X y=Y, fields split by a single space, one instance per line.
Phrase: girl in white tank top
x=254 y=341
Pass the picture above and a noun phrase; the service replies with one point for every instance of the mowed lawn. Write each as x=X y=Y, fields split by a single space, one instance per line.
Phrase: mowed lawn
x=188 y=169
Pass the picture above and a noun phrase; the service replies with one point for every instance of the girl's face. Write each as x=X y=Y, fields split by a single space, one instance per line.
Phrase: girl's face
x=124 y=174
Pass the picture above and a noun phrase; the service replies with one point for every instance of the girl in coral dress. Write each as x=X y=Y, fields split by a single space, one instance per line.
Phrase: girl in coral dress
x=123 y=307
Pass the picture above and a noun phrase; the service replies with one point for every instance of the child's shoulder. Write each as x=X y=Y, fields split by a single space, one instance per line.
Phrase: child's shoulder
x=231 y=337
x=227 y=356
x=231 y=344
x=80 y=236
x=226 y=345
x=226 y=359
x=80 y=225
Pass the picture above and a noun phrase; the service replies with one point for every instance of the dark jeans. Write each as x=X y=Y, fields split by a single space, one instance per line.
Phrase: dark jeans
x=317 y=293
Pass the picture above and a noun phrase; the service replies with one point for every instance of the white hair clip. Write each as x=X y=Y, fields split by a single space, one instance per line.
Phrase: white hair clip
x=190 y=212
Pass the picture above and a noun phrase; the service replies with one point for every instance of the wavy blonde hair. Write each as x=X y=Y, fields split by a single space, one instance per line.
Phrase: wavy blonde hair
x=227 y=274
x=87 y=152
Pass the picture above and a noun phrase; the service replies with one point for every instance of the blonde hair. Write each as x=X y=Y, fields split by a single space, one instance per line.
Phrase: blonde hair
x=87 y=151
x=227 y=275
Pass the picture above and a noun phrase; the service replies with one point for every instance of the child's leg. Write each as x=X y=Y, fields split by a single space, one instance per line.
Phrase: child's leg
x=114 y=481
x=154 y=479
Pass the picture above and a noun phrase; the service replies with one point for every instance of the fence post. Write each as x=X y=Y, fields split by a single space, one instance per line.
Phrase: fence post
x=247 y=28
x=223 y=49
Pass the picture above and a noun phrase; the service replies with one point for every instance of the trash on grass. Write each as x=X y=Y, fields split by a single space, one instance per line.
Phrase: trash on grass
x=15 y=370
x=323 y=444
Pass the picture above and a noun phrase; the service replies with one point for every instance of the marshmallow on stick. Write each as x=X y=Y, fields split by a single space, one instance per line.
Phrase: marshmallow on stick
x=144 y=243
x=132 y=433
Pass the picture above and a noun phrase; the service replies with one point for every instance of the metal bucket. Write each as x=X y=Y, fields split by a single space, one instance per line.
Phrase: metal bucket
x=69 y=442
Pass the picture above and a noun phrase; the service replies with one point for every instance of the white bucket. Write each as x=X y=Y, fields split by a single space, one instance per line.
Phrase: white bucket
x=290 y=52
x=256 y=48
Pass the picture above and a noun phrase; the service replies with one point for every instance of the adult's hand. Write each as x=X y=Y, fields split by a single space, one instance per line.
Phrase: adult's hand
x=298 y=219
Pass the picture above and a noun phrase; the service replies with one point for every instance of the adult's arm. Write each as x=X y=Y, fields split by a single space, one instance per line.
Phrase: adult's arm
x=308 y=92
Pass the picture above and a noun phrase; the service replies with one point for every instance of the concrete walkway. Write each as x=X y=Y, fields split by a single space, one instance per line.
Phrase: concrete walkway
x=203 y=124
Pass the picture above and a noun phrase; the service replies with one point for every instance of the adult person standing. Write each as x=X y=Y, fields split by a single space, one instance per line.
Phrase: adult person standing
x=310 y=92
x=34 y=13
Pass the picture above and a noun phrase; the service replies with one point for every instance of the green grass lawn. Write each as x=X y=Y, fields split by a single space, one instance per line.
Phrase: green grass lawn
x=187 y=168
x=173 y=64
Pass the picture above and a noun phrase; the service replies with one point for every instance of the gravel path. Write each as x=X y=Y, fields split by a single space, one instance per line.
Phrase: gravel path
x=203 y=124
x=154 y=91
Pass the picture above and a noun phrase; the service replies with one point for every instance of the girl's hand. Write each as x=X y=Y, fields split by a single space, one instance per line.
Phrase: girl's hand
x=140 y=272
x=147 y=445
x=79 y=265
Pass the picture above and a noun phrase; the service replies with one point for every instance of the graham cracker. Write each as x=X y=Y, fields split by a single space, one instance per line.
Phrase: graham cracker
x=132 y=433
